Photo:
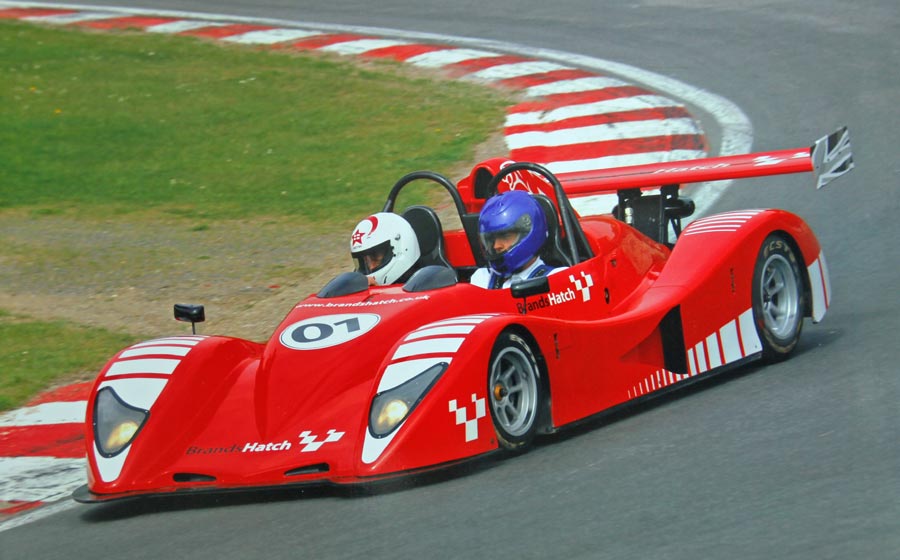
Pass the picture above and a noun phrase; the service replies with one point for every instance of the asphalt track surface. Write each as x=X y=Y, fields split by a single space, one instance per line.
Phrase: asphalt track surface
x=795 y=460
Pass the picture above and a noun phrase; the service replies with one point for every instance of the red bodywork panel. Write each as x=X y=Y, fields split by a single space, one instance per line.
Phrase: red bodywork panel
x=634 y=319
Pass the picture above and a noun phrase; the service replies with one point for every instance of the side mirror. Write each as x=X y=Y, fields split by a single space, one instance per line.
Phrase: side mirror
x=531 y=287
x=190 y=313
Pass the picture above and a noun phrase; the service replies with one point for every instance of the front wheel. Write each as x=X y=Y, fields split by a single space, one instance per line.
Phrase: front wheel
x=778 y=298
x=514 y=389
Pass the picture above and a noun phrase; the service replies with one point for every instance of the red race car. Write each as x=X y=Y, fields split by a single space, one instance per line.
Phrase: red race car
x=361 y=383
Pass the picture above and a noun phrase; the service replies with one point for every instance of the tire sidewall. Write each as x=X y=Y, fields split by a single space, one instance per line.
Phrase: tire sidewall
x=776 y=347
x=505 y=439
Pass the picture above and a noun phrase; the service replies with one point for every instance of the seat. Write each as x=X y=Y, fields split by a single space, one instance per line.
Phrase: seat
x=430 y=234
x=552 y=252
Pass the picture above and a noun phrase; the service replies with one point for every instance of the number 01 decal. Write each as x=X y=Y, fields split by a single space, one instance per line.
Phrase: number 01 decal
x=327 y=330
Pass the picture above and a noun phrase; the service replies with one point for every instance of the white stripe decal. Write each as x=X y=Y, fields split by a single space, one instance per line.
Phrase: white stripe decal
x=431 y=346
x=602 y=133
x=46 y=413
x=731 y=345
x=749 y=336
x=399 y=373
x=440 y=330
x=139 y=392
x=156 y=351
x=158 y=366
x=110 y=468
x=701 y=358
x=180 y=340
x=820 y=286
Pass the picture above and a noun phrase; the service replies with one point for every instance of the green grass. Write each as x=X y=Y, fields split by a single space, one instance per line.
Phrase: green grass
x=96 y=125
x=34 y=353
x=101 y=122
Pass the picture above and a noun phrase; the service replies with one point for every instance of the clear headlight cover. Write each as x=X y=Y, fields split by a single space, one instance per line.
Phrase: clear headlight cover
x=392 y=407
x=115 y=422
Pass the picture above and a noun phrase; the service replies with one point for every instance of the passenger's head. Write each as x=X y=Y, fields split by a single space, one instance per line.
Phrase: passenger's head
x=512 y=229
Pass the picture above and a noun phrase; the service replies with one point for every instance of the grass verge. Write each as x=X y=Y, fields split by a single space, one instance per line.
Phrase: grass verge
x=158 y=135
x=34 y=353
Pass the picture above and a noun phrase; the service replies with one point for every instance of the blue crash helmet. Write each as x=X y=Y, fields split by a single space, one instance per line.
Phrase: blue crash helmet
x=516 y=215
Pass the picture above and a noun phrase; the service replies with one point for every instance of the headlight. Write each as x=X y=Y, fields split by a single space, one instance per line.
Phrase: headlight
x=391 y=407
x=115 y=423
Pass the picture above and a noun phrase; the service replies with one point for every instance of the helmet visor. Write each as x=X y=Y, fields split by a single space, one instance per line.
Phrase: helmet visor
x=374 y=258
x=496 y=243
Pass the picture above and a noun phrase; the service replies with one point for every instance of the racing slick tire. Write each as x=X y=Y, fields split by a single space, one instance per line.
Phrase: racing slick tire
x=779 y=298
x=515 y=391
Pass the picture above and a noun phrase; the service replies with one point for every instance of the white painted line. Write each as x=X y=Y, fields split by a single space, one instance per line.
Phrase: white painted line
x=616 y=105
x=44 y=414
x=602 y=132
x=271 y=36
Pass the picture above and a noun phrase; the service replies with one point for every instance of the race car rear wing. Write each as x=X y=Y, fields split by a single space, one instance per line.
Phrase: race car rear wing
x=829 y=158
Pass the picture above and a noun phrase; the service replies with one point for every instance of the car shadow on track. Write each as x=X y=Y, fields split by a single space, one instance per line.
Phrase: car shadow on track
x=148 y=505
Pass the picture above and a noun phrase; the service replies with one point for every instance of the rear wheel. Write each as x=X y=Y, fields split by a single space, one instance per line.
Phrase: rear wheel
x=514 y=388
x=778 y=297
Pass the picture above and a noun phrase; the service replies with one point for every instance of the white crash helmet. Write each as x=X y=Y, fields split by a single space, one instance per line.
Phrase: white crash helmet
x=391 y=244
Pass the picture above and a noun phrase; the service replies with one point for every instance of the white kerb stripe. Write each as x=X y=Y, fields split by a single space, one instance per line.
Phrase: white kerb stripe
x=431 y=346
x=46 y=413
x=76 y=17
x=271 y=36
x=361 y=46
x=602 y=133
x=39 y=479
x=514 y=70
x=617 y=105
x=160 y=366
x=437 y=59
x=578 y=85
x=181 y=26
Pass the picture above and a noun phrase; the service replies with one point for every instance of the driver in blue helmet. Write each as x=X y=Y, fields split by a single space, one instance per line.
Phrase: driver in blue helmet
x=512 y=229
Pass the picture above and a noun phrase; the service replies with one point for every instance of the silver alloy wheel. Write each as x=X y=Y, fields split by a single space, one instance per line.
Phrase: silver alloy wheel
x=513 y=383
x=779 y=292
